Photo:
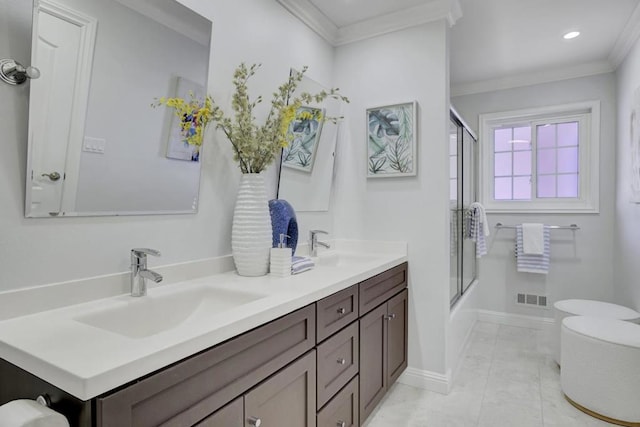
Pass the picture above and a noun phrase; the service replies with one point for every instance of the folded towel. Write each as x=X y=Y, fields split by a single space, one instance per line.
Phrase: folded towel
x=478 y=228
x=530 y=263
x=533 y=238
x=300 y=264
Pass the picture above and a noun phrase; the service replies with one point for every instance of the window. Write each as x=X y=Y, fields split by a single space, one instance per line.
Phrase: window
x=542 y=160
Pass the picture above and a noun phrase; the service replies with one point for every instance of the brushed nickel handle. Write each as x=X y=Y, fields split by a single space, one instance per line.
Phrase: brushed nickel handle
x=341 y=424
x=341 y=361
x=255 y=421
x=341 y=310
x=390 y=316
x=53 y=176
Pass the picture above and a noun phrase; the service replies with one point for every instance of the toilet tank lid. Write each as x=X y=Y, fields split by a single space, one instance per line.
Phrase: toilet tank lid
x=585 y=307
x=609 y=330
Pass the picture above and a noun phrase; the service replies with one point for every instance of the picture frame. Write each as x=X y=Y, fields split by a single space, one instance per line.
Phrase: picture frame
x=391 y=140
x=177 y=147
x=304 y=133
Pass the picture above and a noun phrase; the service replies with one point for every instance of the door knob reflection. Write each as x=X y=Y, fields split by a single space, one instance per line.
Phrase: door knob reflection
x=53 y=176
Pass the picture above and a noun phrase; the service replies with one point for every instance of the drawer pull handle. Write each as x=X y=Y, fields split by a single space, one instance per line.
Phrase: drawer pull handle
x=342 y=310
x=390 y=316
x=341 y=361
x=341 y=424
x=254 y=421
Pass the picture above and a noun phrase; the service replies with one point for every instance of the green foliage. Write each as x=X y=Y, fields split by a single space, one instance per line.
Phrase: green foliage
x=255 y=147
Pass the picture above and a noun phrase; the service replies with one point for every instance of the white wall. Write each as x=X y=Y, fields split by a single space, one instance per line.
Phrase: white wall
x=627 y=220
x=403 y=66
x=39 y=251
x=580 y=267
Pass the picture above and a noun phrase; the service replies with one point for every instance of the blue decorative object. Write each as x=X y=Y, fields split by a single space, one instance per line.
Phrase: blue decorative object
x=283 y=221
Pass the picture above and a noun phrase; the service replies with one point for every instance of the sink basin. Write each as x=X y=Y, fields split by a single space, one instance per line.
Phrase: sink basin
x=340 y=259
x=149 y=315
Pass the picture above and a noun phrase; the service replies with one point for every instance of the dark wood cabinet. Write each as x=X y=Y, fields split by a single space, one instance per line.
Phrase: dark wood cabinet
x=336 y=311
x=287 y=399
x=231 y=415
x=373 y=359
x=337 y=362
x=383 y=350
x=342 y=410
x=397 y=335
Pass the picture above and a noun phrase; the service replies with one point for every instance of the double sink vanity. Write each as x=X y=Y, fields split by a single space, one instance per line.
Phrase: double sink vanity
x=320 y=348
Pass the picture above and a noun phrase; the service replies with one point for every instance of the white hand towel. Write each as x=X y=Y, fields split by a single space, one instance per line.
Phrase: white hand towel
x=533 y=238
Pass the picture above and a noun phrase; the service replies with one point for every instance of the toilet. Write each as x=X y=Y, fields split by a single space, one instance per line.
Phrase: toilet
x=600 y=372
x=584 y=307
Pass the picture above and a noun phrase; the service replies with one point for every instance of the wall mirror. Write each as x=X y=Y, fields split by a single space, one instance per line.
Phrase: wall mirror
x=306 y=167
x=96 y=145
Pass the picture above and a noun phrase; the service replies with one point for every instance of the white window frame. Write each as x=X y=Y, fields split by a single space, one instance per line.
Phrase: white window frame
x=588 y=115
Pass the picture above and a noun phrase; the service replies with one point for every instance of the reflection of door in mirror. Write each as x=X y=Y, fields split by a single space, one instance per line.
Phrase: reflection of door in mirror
x=306 y=185
x=63 y=49
x=91 y=121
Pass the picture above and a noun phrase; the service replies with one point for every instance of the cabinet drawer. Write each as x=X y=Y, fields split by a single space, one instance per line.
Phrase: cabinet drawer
x=343 y=408
x=338 y=362
x=229 y=416
x=336 y=311
x=380 y=288
x=194 y=388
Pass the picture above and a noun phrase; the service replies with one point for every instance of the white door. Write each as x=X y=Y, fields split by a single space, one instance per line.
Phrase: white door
x=57 y=102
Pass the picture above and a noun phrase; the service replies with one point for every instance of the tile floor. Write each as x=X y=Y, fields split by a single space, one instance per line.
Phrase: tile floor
x=507 y=378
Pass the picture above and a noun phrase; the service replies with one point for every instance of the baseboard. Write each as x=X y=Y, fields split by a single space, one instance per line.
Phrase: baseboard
x=510 y=319
x=427 y=380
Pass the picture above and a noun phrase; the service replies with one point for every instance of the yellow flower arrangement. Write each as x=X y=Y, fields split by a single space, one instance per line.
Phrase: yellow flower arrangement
x=254 y=147
x=194 y=116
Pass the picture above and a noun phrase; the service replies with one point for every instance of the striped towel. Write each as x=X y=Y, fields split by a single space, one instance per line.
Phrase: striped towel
x=300 y=264
x=479 y=228
x=529 y=263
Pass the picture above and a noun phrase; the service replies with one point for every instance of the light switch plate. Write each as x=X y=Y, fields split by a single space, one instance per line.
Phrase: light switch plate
x=94 y=145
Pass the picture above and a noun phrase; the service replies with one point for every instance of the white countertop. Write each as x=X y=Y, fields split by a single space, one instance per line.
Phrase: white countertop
x=86 y=361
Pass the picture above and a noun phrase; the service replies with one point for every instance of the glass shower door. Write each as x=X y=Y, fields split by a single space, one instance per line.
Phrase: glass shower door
x=462 y=192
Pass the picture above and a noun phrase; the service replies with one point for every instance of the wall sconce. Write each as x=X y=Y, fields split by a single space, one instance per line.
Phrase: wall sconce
x=14 y=73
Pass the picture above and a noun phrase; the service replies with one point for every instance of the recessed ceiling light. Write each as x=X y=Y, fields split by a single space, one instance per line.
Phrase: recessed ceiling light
x=571 y=35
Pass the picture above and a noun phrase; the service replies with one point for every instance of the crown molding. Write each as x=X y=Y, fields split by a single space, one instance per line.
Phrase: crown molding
x=528 y=79
x=306 y=12
x=628 y=37
x=431 y=11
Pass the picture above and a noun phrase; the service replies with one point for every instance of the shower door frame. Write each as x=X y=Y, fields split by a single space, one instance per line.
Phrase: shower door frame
x=463 y=265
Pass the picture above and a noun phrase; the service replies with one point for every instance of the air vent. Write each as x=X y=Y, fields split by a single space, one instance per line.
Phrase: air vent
x=531 y=299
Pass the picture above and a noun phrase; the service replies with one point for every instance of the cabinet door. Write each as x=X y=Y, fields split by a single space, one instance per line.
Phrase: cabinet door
x=229 y=416
x=287 y=399
x=373 y=360
x=396 y=336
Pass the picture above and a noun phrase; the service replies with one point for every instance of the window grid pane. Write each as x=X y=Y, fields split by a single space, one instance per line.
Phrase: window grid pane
x=512 y=157
x=557 y=157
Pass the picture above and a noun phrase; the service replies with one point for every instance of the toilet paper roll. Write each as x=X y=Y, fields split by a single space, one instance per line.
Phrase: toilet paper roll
x=29 y=413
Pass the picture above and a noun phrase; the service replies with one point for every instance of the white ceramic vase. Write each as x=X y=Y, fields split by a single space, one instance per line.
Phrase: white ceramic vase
x=251 y=235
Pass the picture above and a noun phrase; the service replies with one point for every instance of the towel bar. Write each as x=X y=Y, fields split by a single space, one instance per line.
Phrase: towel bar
x=553 y=227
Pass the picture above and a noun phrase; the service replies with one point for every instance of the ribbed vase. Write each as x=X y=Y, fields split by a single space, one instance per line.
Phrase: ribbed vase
x=251 y=231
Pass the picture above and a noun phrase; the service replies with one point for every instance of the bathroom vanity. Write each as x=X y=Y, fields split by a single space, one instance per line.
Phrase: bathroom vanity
x=326 y=357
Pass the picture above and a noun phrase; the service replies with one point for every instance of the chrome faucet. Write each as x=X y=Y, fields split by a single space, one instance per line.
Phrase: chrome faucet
x=314 y=242
x=140 y=273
